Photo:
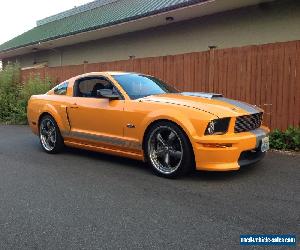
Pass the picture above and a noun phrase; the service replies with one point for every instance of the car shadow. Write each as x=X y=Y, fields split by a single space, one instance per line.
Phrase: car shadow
x=142 y=166
x=118 y=160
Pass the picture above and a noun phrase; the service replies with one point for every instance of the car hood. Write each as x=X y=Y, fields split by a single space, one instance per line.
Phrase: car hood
x=214 y=104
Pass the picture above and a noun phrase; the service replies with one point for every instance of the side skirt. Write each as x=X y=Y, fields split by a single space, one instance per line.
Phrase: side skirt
x=117 y=152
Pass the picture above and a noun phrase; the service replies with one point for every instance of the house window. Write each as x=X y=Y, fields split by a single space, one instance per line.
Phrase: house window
x=61 y=89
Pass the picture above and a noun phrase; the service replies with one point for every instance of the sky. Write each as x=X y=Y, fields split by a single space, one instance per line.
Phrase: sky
x=17 y=16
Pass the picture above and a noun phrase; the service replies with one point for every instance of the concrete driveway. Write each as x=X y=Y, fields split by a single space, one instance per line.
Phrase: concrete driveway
x=83 y=200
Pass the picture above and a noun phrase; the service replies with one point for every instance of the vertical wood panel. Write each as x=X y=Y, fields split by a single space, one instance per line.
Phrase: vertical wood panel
x=274 y=90
x=297 y=83
x=292 y=86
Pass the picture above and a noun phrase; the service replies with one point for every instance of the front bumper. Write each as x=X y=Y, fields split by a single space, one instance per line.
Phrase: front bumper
x=230 y=151
x=250 y=157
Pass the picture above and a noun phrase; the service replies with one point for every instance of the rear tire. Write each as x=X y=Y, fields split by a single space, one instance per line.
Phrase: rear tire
x=168 y=150
x=50 y=136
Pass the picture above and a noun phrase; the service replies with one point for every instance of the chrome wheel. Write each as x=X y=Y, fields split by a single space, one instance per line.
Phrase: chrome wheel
x=165 y=149
x=48 y=134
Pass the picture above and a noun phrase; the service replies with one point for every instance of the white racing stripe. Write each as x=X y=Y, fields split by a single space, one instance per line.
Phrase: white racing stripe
x=213 y=96
x=245 y=106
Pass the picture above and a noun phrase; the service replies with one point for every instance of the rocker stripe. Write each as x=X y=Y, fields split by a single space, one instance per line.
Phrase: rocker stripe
x=104 y=139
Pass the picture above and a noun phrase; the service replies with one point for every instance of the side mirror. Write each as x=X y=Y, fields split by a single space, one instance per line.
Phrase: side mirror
x=108 y=93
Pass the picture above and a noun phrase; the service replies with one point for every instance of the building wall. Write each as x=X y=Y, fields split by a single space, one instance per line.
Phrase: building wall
x=276 y=22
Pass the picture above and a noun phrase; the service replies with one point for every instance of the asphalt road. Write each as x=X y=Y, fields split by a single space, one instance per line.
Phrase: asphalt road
x=83 y=200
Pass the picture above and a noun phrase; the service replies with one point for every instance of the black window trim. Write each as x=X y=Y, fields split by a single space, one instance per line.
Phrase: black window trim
x=76 y=85
x=63 y=85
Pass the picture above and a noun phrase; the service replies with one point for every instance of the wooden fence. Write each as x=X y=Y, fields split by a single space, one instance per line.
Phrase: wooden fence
x=265 y=75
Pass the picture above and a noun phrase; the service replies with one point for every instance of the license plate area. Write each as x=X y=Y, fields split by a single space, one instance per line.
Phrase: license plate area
x=265 y=144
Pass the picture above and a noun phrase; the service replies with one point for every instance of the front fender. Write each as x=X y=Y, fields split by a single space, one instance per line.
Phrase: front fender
x=181 y=118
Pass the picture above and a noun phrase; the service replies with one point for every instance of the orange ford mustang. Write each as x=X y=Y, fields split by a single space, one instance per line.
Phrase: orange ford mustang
x=139 y=116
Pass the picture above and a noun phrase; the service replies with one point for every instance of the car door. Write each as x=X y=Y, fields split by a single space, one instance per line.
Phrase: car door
x=94 y=119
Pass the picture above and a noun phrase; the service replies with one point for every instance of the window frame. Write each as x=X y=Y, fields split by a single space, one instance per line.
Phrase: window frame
x=64 y=86
x=77 y=82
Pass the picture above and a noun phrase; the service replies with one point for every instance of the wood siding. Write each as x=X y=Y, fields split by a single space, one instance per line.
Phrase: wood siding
x=264 y=75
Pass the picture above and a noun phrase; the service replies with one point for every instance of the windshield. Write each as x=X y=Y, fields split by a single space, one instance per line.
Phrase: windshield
x=138 y=86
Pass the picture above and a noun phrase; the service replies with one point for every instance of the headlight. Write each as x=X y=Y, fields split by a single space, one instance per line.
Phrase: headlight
x=217 y=126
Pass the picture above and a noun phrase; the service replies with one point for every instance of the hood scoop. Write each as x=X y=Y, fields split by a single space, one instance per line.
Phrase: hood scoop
x=202 y=94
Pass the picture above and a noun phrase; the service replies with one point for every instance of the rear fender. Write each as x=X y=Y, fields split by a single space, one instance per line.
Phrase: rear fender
x=60 y=115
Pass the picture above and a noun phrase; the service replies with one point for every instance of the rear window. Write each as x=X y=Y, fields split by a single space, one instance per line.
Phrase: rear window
x=61 y=89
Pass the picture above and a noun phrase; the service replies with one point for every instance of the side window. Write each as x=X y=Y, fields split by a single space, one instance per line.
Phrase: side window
x=88 y=87
x=61 y=89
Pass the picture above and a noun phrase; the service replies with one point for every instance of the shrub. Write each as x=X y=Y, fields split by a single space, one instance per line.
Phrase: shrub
x=9 y=88
x=34 y=86
x=14 y=95
x=287 y=140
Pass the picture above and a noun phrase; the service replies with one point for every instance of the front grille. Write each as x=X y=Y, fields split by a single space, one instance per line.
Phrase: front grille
x=248 y=122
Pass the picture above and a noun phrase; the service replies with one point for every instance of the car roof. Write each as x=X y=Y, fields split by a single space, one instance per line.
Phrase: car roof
x=116 y=73
x=112 y=73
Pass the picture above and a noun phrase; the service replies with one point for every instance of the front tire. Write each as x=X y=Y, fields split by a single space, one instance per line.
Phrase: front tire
x=168 y=150
x=49 y=134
